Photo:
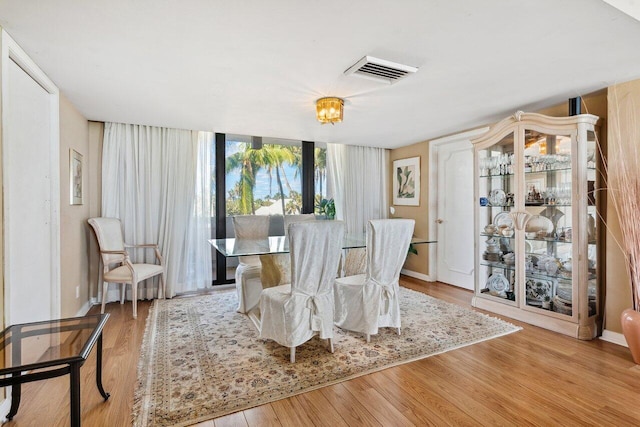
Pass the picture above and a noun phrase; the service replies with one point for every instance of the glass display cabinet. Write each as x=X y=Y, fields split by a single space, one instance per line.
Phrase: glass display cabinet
x=535 y=222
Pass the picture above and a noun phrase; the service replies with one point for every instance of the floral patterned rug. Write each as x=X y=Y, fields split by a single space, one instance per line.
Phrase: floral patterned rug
x=201 y=360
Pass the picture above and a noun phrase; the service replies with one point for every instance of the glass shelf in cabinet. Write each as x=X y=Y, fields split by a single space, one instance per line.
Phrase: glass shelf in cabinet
x=502 y=236
x=531 y=172
x=496 y=264
x=496 y=206
x=546 y=205
x=546 y=239
x=560 y=275
x=496 y=176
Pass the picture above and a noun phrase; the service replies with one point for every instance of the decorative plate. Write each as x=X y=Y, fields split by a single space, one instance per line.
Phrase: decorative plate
x=503 y=218
x=498 y=284
x=497 y=197
x=539 y=289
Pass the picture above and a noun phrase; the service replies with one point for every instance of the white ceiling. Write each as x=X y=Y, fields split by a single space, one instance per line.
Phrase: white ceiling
x=256 y=67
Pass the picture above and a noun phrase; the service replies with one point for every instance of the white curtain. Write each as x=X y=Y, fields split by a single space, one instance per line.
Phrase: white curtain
x=152 y=182
x=358 y=183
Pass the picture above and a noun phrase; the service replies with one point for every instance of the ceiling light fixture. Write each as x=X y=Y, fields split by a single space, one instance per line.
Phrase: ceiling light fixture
x=329 y=110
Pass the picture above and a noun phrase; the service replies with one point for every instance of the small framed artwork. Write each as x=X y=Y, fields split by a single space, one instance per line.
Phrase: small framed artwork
x=406 y=182
x=75 y=177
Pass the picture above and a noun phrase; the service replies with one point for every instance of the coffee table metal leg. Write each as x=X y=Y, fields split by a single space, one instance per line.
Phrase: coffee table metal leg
x=74 y=394
x=15 y=400
x=99 y=369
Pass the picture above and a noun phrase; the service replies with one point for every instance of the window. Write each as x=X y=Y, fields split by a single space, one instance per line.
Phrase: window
x=258 y=181
x=320 y=173
x=265 y=181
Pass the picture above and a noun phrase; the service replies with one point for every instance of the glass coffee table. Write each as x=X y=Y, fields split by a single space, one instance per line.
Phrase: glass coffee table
x=48 y=349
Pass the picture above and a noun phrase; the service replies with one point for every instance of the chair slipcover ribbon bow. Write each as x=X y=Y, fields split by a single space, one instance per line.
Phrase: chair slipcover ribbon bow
x=313 y=303
x=388 y=291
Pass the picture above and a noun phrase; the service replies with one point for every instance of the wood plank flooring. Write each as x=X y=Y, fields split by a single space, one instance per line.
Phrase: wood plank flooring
x=532 y=377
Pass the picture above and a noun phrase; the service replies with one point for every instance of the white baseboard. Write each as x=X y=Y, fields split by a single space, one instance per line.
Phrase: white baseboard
x=416 y=275
x=614 y=337
x=84 y=309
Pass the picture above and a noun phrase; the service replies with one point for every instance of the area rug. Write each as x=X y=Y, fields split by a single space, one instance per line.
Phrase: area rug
x=201 y=360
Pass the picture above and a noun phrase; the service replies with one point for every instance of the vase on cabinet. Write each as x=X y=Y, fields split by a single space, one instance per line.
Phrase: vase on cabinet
x=630 y=320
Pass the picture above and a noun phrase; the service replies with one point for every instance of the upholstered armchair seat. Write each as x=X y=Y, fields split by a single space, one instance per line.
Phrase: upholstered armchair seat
x=123 y=273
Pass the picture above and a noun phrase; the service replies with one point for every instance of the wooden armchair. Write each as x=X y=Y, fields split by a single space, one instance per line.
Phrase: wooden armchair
x=118 y=267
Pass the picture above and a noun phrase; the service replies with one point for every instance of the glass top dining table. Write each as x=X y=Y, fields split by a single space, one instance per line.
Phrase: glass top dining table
x=280 y=245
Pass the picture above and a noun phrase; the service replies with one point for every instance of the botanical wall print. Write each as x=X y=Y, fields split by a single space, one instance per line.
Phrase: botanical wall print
x=75 y=177
x=406 y=181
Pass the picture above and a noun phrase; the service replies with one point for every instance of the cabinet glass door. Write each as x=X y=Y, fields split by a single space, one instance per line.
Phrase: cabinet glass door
x=496 y=242
x=592 y=232
x=549 y=257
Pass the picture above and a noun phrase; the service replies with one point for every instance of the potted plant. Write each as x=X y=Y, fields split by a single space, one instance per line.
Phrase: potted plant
x=327 y=208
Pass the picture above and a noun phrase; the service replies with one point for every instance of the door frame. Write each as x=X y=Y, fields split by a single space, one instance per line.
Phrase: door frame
x=434 y=149
x=10 y=51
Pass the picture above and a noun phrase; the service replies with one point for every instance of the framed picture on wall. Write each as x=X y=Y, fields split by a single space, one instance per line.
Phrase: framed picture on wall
x=75 y=177
x=406 y=182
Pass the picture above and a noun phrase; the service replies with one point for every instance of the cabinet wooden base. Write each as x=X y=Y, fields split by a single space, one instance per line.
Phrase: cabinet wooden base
x=585 y=331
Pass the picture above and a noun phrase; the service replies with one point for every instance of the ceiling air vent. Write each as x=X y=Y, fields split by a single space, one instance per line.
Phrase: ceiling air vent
x=379 y=69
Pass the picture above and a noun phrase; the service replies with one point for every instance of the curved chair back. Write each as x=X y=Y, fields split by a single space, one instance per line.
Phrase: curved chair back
x=315 y=249
x=251 y=226
x=387 y=245
x=110 y=238
x=290 y=219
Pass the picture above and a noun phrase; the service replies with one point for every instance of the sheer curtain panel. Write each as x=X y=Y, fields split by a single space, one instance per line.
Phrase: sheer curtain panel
x=152 y=182
x=358 y=183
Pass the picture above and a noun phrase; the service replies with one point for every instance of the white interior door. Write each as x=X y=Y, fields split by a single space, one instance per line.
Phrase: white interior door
x=452 y=209
x=31 y=190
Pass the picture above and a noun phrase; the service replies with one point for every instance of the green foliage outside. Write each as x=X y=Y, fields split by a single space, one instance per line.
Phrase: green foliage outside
x=271 y=158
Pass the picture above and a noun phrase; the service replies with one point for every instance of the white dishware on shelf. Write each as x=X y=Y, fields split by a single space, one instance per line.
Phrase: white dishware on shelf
x=503 y=218
x=490 y=229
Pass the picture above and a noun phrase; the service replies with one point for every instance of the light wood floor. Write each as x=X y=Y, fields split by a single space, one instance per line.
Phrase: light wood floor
x=531 y=377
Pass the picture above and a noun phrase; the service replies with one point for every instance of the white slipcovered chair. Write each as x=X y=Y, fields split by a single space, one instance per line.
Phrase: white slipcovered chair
x=292 y=314
x=248 y=284
x=276 y=268
x=117 y=267
x=366 y=302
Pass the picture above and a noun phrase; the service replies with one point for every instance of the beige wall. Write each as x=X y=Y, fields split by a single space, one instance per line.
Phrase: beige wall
x=618 y=291
x=79 y=262
x=417 y=263
x=96 y=135
x=74 y=263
